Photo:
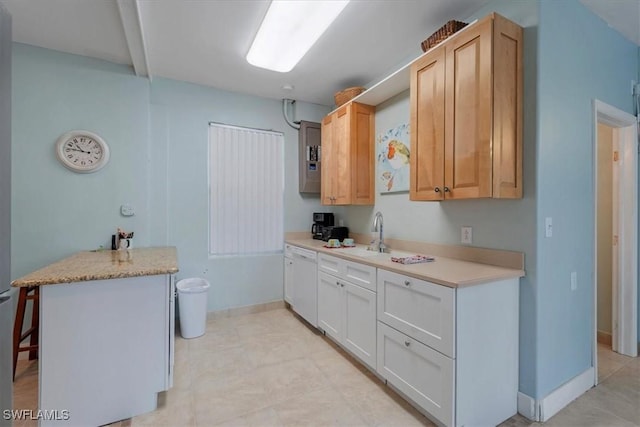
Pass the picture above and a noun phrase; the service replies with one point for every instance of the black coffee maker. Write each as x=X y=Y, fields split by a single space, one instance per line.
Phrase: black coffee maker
x=320 y=220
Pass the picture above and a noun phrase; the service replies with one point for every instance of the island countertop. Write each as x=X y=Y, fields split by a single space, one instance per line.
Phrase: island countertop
x=104 y=264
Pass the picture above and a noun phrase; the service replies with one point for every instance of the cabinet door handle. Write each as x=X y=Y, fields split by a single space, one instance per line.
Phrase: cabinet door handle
x=407 y=283
x=437 y=189
x=446 y=189
x=407 y=343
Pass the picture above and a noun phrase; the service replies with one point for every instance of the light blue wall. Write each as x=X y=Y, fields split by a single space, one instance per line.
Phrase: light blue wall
x=500 y=224
x=181 y=113
x=158 y=138
x=580 y=58
x=57 y=212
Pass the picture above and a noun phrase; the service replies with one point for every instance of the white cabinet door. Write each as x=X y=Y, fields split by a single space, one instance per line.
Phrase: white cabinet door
x=420 y=309
x=330 y=302
x=423 y=374
x=359 y=315
x=288 y=280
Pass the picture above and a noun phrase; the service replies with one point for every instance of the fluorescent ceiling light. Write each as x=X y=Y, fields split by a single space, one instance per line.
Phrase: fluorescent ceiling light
x=288 y=31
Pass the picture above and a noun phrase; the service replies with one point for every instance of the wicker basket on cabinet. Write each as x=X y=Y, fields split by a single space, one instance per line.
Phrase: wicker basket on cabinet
x=442 y=33
x=347 y=95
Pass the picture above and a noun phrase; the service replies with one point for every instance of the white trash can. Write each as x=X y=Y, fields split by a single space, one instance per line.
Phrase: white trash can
x=192 y=306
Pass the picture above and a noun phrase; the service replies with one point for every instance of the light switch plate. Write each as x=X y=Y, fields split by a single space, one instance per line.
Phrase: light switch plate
x=127 y=210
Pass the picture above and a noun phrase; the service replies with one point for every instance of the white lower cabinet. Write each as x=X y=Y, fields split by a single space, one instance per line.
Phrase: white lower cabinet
x=452 y=351
x=288 y=280
x=423 y=374
x=418 y=308
x=347 y=312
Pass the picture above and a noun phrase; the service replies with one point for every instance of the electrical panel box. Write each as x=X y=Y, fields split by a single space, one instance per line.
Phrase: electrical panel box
x=310 y=154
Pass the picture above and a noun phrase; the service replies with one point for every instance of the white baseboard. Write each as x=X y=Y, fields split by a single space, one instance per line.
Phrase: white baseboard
x=527 y=407
x=542 y=410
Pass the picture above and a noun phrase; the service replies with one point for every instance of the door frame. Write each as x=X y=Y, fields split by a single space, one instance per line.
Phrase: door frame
x=626 y=300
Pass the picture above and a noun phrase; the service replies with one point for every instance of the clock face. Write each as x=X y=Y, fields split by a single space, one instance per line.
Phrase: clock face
x=82 y=151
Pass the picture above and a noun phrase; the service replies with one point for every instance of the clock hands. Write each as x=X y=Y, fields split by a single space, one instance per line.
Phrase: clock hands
x=80 y=149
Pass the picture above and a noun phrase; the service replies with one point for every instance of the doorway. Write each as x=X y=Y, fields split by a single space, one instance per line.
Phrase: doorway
x=616 y=233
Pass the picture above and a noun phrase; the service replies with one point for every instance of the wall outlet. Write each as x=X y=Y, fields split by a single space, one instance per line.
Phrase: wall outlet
x=127 y=210
x=548 y=227
x=574 y=280
x=466 y=235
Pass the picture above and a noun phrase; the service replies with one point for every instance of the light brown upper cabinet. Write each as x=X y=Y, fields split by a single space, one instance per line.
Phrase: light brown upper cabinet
x=466 y=115
x=348 y=156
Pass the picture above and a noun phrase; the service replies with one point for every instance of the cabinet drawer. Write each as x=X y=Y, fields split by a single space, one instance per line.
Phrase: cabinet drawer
x=359 y=274
x=422 y=310
x=354 y=272
x=423 y=374
x=329 y=264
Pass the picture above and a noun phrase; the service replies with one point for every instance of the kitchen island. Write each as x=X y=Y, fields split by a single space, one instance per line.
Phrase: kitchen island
x=106 y=334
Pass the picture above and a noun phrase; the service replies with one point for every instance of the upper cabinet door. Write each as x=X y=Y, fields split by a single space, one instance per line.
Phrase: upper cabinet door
x=348 y=156
x=342 y=159
x=427 y=127
x=468 y=131
x=507 y=108
x=327 y=162
x=363 y=168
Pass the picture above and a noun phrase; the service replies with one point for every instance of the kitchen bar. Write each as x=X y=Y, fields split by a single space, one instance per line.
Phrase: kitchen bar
x=106 y=334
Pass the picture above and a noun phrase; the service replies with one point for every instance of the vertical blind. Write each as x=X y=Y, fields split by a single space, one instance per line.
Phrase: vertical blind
x=246 y=187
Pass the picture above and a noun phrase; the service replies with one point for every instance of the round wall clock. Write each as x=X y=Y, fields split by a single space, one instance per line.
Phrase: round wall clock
x=82 y=151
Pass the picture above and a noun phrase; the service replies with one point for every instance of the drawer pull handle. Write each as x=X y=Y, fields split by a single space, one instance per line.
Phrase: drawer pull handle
x=407 y=343
x=407 y=283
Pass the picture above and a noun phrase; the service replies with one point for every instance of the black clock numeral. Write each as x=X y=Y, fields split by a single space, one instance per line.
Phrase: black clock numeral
x=69 y=156
x=97 y=158
x=83 y=163
x=75 y=161
x=75 y=140
x=67 y=149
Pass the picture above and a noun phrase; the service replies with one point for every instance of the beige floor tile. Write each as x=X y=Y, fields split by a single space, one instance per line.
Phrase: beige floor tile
x=276 y=347
x=609 y=361
x=611 y=397
x=182 y=374
x=380 y=406
x=175 y=408
x=214 y=341
x=220 y=367
x=215 y=402
x=290 y=379
x=263 y=418
x=583 y=413
x=325 y=407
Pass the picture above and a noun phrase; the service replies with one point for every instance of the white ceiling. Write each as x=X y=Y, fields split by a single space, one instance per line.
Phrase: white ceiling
x=205 y=41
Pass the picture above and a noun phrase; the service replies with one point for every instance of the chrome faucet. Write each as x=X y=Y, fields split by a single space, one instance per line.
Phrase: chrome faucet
x=377 y=226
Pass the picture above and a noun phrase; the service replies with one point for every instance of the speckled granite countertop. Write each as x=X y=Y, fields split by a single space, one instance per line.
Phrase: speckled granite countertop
x=101 y=265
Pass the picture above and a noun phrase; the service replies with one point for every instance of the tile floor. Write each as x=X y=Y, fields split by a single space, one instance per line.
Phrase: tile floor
x=270 y=369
